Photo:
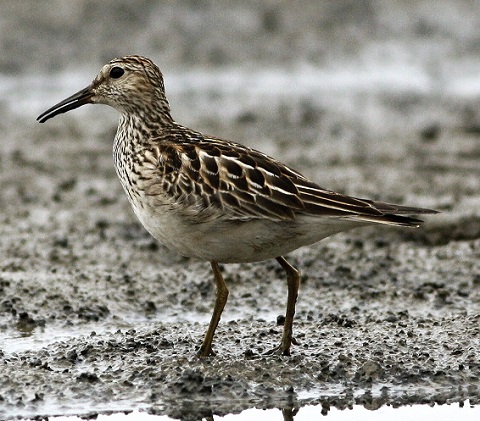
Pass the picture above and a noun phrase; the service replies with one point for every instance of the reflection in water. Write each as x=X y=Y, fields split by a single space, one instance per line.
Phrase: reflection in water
x=289 y=413
x=359 y=413
x=464 y=411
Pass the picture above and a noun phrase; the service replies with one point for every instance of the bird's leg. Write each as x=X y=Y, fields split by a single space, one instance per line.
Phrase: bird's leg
x=293 y=281
x=222 y=295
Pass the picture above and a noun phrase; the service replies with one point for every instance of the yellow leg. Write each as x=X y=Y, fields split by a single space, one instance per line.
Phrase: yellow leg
x=293 y=282
x=222 y=295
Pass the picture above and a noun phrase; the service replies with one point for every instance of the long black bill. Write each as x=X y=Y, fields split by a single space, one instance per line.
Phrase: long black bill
x=76 y=100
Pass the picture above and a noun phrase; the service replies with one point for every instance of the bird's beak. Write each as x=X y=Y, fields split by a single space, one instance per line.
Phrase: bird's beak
x=76 y=100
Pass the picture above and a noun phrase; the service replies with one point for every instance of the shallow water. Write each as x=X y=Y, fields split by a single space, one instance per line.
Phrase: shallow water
x=308 y=413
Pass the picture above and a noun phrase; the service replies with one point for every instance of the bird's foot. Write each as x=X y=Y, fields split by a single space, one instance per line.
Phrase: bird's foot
x=204 y=352
x=282 y=349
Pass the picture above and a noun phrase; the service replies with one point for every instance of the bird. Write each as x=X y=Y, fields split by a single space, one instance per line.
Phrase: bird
x=212 y=199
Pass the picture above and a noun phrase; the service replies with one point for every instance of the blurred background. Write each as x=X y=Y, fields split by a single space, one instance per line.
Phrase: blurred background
x=349 y=83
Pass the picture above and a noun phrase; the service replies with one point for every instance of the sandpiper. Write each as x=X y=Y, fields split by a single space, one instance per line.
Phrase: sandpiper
x=213 y=199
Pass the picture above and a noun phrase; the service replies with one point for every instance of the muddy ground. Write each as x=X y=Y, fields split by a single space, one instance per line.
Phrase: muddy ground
x=95 y=316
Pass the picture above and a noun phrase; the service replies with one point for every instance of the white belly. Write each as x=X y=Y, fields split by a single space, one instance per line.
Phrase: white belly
x=228 y=241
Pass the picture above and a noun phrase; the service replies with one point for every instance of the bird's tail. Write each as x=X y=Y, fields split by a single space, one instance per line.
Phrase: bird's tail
x=396 y=215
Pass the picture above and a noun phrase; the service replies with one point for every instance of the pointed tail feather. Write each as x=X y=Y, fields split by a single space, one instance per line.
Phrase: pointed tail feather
x=387 y=219
x=394 y=214
x=401 y=210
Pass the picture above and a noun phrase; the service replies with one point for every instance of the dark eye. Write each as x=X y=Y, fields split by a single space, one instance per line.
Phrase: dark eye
x=116 y=72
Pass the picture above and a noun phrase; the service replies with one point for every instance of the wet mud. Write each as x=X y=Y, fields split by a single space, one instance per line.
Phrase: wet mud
x=96 y=317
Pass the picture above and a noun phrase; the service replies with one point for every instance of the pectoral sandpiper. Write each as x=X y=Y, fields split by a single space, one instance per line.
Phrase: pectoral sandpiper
x=212 y=199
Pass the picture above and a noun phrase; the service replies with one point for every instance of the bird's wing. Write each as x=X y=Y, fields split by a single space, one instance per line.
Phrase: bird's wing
x=209 y=173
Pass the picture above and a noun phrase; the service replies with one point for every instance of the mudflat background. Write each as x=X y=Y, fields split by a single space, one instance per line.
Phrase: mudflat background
x=371 y=98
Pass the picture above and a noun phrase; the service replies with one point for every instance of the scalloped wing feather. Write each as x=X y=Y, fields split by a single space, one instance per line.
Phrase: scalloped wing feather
x=210 y=174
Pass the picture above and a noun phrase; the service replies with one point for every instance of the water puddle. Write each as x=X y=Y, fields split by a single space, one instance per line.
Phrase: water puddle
x=358 y=413
x=41 y=337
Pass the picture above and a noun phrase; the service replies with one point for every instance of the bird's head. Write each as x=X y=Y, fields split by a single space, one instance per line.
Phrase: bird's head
x=130 y=84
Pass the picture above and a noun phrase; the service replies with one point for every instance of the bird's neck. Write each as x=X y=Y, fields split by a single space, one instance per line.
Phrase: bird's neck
x=146 y=122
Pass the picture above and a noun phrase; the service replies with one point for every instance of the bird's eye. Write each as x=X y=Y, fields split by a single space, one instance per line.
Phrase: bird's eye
x=116 y=72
